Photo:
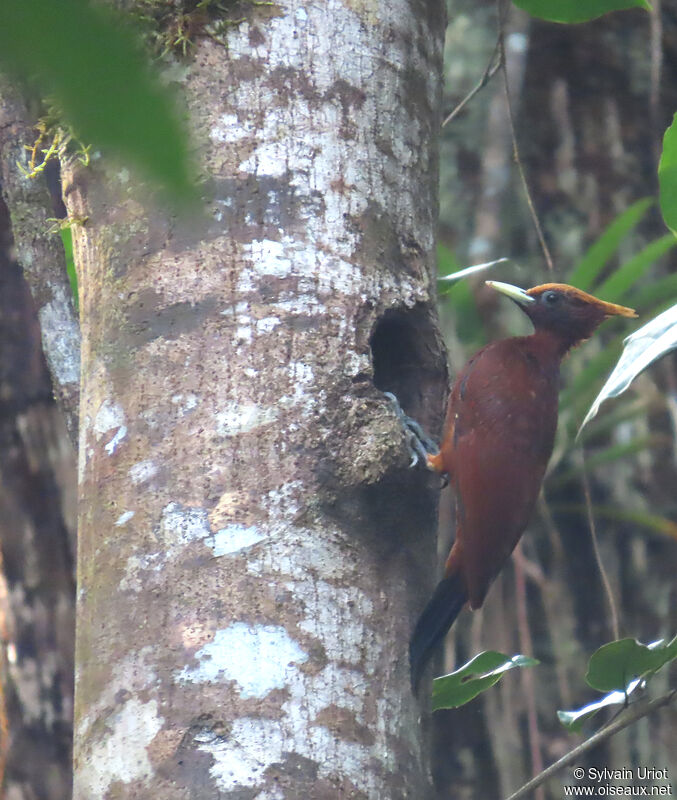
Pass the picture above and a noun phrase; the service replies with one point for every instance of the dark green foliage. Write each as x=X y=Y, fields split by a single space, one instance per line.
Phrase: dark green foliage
x=621 y=668
x=92 y=66
x=667 y=177
x=576 y=10
x=480 y=673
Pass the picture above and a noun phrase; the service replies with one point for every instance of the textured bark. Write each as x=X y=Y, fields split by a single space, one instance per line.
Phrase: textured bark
x=37 y=532
x=40 y=253
x=253 y=548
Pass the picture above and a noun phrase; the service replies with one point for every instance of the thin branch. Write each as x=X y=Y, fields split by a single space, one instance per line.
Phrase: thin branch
x=615 y=628
x=492 y=68
x=656 y=40
x=527 y=676
x=515 y=149
x=634 y=712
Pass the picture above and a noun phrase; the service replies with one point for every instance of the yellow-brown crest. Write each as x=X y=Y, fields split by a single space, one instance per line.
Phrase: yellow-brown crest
x=608 y=309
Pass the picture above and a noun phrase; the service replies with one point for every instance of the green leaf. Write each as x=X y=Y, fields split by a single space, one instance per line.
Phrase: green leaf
x=465 y=683
x=605 y=246
x=622 y=279
x=652 y=341
x=615 y=665
x=67 y=239
x=92 y=67
x=667 y=177
x=576 y=10
x=620 y=668
x=574 y=720
x=453 y=277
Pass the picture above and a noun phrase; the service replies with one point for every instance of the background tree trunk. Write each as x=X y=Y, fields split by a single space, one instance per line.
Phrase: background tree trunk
x=37 y=532
x=253 y=549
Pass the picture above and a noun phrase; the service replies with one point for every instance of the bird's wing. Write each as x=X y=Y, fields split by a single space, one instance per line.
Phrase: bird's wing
x=505 y=416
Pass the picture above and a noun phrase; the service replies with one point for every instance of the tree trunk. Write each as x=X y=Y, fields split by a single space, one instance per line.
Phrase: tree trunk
x=40 y=252
x=585 y=126
x=37 y=532
x=253 y=549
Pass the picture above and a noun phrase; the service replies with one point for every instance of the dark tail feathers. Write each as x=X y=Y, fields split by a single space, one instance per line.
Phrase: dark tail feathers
x=438 y=616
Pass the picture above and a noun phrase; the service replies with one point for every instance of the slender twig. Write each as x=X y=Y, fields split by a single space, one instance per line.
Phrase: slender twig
x=492 y=68
x=515 y=148
x=615 y=629
x=656 y=39
x=527 y=675
x=633 y=713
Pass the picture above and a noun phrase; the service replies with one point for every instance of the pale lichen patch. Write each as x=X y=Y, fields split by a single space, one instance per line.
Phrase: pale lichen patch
x=339 y=624
x=143 y=471
x=124 y=518
x=234 y=538
x=61 y=335
x=229 y=129
x=180 y=526
x=115 y=441
x=241 y=760
x=259 y=658
x=119 y=752
x=239 y=418
x=109 y=415
x=185 y=403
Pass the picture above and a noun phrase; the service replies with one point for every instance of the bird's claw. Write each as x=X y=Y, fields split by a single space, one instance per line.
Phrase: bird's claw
x=420 y=444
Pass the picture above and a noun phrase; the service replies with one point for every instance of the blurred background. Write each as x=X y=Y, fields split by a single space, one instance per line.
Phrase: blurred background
x=591 y=103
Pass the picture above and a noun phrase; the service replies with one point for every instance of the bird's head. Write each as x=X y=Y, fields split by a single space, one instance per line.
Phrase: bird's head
x=569 y=313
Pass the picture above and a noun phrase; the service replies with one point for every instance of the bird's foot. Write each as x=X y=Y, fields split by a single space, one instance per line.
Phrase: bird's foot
x=422 y=447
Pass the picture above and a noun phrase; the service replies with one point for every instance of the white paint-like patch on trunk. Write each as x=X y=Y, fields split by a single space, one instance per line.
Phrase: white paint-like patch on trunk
x=124 y=518
x=229 y=129
x=338 y=624
x=180 y=526
x=185 y=402
x=142 y=471
x=268 y=159
x=115 y=441
x=259 y=658
x=138 y=571
x=240 y=418
x=319 y=272
x=284 y=501
x=241 y=760
x=61 y=336
x=356 y=363
x=234 y=538
x=118 y=750
x=110 y=415
x=243 y=334
x=270 y=794
x=267 y=324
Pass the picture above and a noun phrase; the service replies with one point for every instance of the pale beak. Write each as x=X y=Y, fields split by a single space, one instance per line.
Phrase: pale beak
x=513 y=292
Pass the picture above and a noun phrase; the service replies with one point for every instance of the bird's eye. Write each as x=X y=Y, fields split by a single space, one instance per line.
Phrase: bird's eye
x=551 y=298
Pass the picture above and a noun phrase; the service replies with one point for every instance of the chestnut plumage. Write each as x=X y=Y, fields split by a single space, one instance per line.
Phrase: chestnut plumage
x=498 y=437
